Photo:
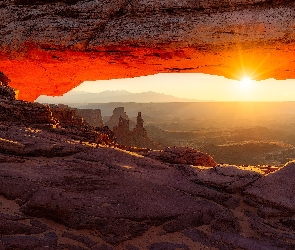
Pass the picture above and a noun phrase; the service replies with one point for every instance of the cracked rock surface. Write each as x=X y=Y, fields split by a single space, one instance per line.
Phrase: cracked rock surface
x=86 y=24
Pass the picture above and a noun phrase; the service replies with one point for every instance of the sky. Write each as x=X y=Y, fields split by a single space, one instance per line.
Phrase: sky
x=198 y=86
x=201 y=87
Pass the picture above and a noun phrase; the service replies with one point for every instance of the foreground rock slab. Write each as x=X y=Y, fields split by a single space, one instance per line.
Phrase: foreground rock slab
x=107 y=198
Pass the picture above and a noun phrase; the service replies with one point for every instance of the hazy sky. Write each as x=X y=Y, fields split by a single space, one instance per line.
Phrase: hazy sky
x=199 y=87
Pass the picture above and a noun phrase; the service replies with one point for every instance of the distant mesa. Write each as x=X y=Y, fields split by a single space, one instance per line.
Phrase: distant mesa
x=111 y=96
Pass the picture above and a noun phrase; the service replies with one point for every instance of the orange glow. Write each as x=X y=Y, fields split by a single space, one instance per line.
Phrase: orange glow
x=54 y=73
x=246 y=83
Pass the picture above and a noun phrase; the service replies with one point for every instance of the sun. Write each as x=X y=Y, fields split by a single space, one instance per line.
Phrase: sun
x=246 y=83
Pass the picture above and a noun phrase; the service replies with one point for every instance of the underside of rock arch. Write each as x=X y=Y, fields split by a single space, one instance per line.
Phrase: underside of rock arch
x=51 y=46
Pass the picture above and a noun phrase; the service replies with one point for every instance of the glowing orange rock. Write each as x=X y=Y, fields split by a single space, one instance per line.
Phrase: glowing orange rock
x=38 y=72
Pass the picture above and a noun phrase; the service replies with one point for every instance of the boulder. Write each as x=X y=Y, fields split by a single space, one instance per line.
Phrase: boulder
x=276 y=189
x=183 y=155
x=227 y=177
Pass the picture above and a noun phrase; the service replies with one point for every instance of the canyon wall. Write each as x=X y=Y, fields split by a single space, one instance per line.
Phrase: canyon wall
x=91 y=116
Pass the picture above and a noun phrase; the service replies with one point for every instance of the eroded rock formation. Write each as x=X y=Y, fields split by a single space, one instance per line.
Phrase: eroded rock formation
x=20 y=112
x=118 y=113
x=49 y=47
x=137 y=137
x=67 y=117
x=91 y=116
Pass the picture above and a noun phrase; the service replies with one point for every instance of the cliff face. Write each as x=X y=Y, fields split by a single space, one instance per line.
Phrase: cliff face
x=56 y=45
x=92 y=116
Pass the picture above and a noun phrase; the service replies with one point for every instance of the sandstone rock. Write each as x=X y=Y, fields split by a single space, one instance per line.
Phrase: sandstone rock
x=11 y=146
x=269 y=233
x=121 y=131
x=280 y=183
x=226 y=223
x=204 y=214
x=21 y=190
x=91 y=116
x=20 y=112
x=183 y=155
x=97 y=18
x=71 y=247
x=167 y=246
x=25 y=242
x=8 y=227
x=103 y=247
x=114 y=119
x=67 y=116
x=199 y=236
x=227 y=177
x=105 y=198
x=136 y=138
x=131 y=247
x=235 y=241
x=38 y=224
x=4 y=80
x=124 y=184
x=133 y=38
x=10 y=159
x=80 y=238
x=7 y=93
x=35 y=142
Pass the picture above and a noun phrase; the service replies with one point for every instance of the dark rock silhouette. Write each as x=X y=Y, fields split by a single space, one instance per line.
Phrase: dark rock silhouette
x=6 y=92
x=20 y=112
x=114 y=119
x=136 y=138
x=4 y=80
